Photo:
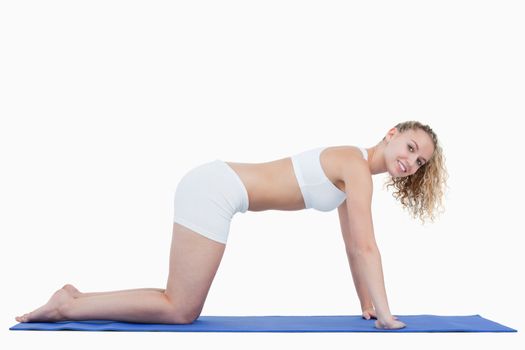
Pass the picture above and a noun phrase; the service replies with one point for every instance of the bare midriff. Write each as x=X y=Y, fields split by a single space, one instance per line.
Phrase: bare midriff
x=273 y=185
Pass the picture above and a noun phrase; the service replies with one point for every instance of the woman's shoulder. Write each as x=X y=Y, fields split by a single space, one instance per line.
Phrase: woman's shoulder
x=345 y=151
x=347 y=164
x=346 y=155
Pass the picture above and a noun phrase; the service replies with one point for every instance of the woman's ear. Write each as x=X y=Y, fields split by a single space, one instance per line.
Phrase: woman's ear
x=390 y=134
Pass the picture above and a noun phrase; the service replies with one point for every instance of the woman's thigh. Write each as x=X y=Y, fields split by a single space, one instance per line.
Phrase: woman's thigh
x=206 y=199
x=194 y=260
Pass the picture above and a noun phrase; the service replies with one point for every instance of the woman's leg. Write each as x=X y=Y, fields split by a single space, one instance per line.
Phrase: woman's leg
x=78 y=294
x=194 y=260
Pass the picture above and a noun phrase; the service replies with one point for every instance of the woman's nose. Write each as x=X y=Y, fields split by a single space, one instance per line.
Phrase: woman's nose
x=413 y=161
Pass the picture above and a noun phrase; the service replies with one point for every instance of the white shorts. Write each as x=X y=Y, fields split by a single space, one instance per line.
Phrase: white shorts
x=207 y=198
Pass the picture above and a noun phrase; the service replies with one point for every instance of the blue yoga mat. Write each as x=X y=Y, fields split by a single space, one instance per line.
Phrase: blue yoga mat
x=415 y=323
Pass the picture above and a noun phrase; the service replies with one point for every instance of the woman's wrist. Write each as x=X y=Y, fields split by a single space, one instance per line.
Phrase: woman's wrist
x=383 y=314
x=385 y=317
x=367 y=307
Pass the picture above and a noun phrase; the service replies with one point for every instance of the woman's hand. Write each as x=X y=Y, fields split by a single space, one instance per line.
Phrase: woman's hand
x=390 y=323
x=371 y=313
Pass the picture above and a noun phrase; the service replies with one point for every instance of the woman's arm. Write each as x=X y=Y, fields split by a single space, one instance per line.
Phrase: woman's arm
x=361 y=247
x=359 y=283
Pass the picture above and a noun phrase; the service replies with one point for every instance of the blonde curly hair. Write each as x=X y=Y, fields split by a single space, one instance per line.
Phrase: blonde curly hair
x=422 y=192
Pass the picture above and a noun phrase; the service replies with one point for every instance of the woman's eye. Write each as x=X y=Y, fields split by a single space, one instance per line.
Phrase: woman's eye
x=420 y=163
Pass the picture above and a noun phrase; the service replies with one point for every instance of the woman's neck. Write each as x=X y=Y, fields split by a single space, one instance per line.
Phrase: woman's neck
x=376 y=159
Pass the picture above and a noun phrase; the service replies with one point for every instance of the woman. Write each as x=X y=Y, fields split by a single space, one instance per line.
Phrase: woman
x=208 y=196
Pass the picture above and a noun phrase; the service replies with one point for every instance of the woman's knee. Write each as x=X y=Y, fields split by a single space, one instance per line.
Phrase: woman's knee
x=180 y=316
x=181 y=312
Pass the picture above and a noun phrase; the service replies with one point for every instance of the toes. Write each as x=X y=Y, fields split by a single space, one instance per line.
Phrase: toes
x=22 y=318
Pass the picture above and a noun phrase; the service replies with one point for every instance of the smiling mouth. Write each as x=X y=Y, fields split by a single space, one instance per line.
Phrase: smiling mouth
x=402 y=167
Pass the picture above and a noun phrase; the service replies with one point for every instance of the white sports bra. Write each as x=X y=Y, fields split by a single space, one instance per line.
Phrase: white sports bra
x=318 y=191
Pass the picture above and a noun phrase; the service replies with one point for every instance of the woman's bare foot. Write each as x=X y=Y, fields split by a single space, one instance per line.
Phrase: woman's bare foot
x=50 y=311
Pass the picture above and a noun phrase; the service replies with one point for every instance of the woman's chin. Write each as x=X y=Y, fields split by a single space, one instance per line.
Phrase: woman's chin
x=395 y=174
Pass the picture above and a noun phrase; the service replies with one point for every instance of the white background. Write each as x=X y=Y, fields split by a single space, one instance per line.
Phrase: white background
x=105 y=105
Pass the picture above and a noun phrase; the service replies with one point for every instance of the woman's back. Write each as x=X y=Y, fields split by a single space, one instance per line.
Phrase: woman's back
x=274 y=185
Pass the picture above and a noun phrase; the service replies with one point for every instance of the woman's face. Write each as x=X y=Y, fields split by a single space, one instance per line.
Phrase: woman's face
x=406 y=152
